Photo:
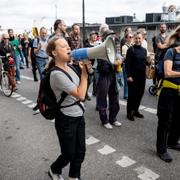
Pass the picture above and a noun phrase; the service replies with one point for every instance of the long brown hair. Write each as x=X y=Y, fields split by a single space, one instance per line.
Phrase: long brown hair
x=174 y=37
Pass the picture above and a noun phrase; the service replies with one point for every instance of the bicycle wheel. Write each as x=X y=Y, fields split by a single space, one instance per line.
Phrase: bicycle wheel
x=153 y=90
x=6 y=86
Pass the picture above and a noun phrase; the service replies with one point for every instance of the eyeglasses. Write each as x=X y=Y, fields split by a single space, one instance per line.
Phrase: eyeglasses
x=130 y=37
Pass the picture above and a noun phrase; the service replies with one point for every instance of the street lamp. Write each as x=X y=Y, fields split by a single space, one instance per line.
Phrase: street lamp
x=83 y=21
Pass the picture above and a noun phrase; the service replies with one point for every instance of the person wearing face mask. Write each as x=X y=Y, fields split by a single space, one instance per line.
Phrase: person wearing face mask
x=136 y=76
x=39 y=46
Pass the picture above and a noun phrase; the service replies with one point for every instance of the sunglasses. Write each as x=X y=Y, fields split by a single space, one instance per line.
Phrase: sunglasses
x=5 y=38
x=130 y=37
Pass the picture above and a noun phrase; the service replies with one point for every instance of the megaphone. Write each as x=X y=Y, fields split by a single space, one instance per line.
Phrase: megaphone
x=105 y=51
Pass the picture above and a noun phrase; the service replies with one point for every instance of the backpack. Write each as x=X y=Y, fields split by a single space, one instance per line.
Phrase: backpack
x=46 y=100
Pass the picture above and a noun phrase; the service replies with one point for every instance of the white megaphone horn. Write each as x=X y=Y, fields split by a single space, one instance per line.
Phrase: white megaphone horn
x=105 y=51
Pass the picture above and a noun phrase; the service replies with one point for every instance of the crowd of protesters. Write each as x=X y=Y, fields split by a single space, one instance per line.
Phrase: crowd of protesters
x=131 y=61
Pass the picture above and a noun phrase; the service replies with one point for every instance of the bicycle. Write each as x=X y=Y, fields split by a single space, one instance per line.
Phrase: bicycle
x=5 y=80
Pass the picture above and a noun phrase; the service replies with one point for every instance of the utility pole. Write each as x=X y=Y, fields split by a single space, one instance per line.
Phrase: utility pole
x=56 y=11
x=83 y=21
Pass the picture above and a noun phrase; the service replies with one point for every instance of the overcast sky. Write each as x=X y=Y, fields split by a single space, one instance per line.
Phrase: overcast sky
x=23 y=14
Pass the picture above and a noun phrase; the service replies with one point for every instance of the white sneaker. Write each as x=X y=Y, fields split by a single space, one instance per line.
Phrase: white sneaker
x=55 y=176
x=18 y=82
x=73 y=178
x=117 y=123
x=108 y=126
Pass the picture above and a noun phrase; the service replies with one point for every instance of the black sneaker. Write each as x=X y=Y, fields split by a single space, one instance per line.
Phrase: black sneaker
x=130 y=117
x=175 y=147
x=35 y=108
x=165 y=157
x=88 y=98
x=138 y=115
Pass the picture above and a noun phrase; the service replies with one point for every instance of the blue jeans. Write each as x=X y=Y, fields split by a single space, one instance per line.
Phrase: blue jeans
x=41 y=63
x=17 y=61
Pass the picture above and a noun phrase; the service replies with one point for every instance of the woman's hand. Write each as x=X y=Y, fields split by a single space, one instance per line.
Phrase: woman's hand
x=86 y=66
x=130 y=79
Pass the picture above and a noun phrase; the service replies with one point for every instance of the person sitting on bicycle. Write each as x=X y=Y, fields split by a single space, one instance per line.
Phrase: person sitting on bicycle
x=7 y=51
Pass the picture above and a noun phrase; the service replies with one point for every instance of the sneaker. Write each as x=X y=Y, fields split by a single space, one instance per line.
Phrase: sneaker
x=55 y=176
x=88 y=98
x=73 y=178
x=175 y=147
x=165 y=157
x=108 y=126
x=35 y=108
x=138 y=115
x=36 y=112
x=116 y=123
x=18 y=82
x=130 y=117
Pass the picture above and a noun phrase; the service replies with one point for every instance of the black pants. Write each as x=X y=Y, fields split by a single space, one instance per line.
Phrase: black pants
x=71 y=134
x=106 y=86
x=135 y=92
x=168 y=130
x=34 y=67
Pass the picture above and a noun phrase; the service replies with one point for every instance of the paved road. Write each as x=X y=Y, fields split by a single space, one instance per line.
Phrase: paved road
x=29 y=143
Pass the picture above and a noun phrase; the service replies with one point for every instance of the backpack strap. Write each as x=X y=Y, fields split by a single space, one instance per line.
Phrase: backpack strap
x=160 y=83
x=64 y=94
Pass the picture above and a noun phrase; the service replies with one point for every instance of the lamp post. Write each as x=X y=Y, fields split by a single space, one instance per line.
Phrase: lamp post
x=55 y=11
x=83 y=21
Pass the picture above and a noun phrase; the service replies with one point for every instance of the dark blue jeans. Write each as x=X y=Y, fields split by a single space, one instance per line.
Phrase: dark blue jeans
x=71 y=135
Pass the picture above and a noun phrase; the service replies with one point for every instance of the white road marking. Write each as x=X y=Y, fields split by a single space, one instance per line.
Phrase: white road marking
x=27 y=101
x=21 y=98
x=15 y=95
x=125 y=162
x=106 y=150
x=91 y=140
x=26 y=77
x=142 y=107
x=124 y=103
x=151 y=110
x=146 y=174
x=32 y=105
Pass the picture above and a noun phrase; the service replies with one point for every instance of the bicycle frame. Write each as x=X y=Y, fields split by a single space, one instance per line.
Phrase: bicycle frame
x=5 y=82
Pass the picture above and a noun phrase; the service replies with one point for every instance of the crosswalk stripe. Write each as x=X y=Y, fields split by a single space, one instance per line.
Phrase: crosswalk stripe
x=27 y=101
x=146 y=174
x=125 y=162
x=106 y=150
x=21 y=98
x=91 y=140
x=32 y=105
x=15 y=95
x=26 y=77
x=151 y=110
